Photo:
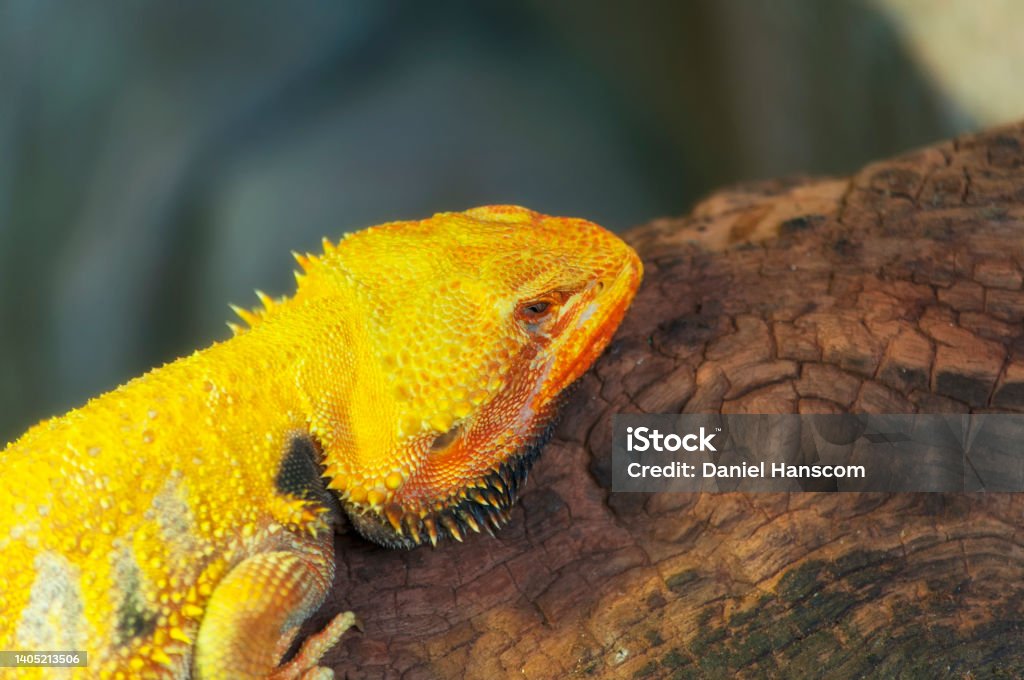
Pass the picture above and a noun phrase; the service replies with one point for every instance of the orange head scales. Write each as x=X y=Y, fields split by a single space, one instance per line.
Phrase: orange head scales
x=463 y=330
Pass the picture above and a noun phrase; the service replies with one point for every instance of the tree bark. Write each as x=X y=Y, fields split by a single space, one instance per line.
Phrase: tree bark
x=896 y=290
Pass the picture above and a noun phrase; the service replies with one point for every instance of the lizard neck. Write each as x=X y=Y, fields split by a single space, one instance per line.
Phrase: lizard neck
x=324 y=370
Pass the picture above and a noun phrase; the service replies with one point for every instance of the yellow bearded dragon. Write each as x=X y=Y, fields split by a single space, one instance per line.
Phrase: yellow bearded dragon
x=182 y=524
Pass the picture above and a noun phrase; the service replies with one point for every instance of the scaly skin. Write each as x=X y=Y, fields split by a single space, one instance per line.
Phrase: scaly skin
x=181 y=525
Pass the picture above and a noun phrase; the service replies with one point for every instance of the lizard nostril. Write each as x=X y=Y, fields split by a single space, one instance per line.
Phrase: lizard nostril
x=445 y=440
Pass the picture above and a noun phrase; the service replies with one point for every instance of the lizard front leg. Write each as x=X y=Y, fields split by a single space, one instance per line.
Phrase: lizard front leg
x=255 y=611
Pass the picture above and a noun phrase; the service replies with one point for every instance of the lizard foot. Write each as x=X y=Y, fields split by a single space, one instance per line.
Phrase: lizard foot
x=304 y=665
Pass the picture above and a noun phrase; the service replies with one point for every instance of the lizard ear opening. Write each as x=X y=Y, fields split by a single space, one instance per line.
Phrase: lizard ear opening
x=445 y=440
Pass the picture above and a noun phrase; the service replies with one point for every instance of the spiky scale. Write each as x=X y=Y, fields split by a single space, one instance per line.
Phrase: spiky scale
x=496 y=520
x=452 y=526
x=470 y=521
x=303 y=259
x=431 y=528
x=264 y=299
x=413 y=527
x=492 y=498
x=395 y=514
x=244 y=314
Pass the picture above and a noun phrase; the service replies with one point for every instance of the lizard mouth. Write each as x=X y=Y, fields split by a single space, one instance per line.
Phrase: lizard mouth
x=482 y=505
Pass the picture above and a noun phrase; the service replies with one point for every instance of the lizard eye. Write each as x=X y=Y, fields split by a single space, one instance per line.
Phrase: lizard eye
x=536 y=308
x=533 y=313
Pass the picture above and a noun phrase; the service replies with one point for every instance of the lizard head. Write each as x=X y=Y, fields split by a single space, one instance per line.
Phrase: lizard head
x=471 y=326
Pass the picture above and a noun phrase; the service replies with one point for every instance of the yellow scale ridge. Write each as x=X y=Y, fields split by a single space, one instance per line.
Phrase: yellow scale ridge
x=181 y=525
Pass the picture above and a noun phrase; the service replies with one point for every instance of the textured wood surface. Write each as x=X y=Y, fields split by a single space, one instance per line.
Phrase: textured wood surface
x=896 y=290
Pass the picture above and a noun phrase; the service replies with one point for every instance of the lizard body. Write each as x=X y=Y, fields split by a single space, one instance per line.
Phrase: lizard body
x=181 y=525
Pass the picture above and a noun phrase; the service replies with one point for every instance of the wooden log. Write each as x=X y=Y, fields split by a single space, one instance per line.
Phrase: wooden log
x=896 y=290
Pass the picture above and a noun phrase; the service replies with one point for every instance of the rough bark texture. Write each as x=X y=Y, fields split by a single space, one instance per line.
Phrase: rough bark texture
x=897 y=290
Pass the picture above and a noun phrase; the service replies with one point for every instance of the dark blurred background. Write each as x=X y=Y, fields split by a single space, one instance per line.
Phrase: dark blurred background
x=159 y=160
